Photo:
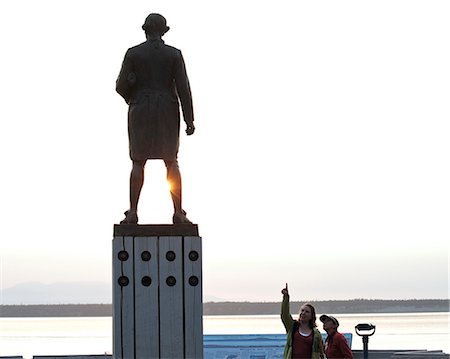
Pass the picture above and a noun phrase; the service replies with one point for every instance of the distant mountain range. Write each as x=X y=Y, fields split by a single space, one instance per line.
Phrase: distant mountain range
x=239 y=308
x=89 y=296
x=63 y=293
x=57 y=293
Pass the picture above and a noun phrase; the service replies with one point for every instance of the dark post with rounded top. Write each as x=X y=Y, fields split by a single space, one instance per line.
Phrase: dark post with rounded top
x=365 y=330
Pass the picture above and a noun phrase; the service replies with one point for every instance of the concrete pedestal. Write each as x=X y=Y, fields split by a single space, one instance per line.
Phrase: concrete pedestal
x=157 y=292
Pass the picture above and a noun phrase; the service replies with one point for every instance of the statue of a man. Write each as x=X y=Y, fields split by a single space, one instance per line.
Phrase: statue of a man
x=152 y=81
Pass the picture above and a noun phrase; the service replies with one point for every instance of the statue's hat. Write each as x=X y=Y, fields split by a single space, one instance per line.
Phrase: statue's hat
x=155 y=23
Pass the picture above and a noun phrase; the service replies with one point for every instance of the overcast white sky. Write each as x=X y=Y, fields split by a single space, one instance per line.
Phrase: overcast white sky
x=321 y=156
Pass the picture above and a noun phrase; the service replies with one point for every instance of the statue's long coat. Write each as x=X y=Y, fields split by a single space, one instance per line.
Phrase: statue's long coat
x=152 y=81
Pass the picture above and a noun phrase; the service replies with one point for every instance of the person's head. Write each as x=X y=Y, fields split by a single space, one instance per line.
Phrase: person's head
x=307 y=314
x=330 y=323
x=155 y=25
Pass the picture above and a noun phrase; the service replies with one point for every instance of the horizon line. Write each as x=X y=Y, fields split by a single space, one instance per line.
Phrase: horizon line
x=255 y=302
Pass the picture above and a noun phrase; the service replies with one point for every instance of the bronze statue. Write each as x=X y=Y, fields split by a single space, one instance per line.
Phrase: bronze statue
x=152 y=81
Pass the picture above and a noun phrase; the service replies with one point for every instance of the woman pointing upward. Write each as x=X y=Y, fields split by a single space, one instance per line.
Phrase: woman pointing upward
x=303 y=339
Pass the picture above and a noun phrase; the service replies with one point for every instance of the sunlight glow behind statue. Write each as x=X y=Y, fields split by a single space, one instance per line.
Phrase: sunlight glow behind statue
x=153 y=80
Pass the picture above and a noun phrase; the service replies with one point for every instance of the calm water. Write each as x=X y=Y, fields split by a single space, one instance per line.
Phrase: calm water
x=92 y=335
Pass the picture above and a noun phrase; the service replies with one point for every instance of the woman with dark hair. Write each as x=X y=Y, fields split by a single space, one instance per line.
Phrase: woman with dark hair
x=303 y=339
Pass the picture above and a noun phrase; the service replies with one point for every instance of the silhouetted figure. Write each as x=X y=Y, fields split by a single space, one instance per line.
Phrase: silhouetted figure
x=152 y=81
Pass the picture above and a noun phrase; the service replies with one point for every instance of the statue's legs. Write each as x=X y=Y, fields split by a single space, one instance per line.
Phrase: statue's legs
x=174 y=179
x=136 y=183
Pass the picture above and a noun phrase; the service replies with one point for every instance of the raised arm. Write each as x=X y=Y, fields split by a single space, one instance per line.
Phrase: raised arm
x=286 y=316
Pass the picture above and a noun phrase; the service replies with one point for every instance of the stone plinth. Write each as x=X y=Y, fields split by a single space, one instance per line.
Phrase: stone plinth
x=157 y=291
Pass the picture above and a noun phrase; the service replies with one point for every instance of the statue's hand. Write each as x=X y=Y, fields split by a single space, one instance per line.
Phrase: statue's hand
x=190 y=129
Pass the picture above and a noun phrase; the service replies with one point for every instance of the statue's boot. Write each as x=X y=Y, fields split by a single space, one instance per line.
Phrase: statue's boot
x=180 y=217
x=130 y=217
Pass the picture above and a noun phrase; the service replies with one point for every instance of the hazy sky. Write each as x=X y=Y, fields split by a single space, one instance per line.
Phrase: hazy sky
x=321 y=155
